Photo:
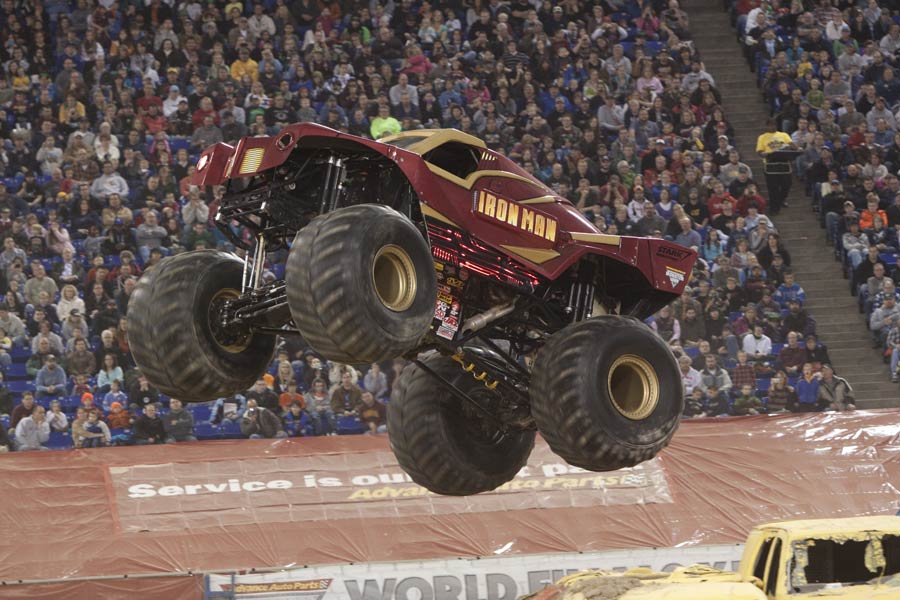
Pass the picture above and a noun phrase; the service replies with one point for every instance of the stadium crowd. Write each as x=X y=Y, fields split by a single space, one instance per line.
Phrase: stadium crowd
x=828 y=72
x=105 y=106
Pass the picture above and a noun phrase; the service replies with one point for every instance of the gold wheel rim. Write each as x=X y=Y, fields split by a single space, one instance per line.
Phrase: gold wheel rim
x=633 y=387
x=394 y=278
x=222 y=295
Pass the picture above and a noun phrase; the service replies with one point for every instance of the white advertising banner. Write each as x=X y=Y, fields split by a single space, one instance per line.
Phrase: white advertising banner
x=503 y=578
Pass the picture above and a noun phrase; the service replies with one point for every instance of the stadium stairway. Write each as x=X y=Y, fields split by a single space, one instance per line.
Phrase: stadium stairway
x=840 y=325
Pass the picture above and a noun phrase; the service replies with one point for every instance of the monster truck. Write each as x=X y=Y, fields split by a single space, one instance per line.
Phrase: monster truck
x=518 y=314
x=855 y=558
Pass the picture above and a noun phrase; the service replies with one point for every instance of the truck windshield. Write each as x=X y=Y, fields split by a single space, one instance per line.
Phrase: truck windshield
x=821 y=563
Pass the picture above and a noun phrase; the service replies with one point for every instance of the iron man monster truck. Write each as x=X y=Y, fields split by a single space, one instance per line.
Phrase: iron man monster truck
x=520 y=316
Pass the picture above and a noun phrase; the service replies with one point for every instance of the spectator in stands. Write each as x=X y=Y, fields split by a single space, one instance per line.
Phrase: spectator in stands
x=717 y=404
x=782 y=396
x=789 y=290
x=797 y=319
x=747 y=403
x=33 y=431
x=115 y=394
x=50 y=380
x=261 y=423
x=290 y=395
x=376 y=382
x=318 y=405
x=757 y=344
x=714 y=375
x=690 y=377
x=882 y=319
x=118 y=417
x=372 y=413
x=39 y=282
x=22 y=410
x=141 y=394
x=792 y=355
x=296 y=422
x=667 y=326
x=57 y=419
x=263 y=396
x=816 y=353
x=148 y=428
x=346 y=398
x=109 y=372
x=808 y=390
x=80 y=361
x=149 y=235
x=743 y=372
x=95 y=433
x=178 y=423
x=834 y=392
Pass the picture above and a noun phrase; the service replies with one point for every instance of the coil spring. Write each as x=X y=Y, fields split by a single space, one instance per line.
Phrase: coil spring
x=470 y=368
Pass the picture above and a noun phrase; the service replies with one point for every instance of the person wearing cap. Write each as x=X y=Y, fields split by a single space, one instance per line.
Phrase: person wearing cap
x=118 y=417
x=776 y=168
x=50 y=381
x=173 y=99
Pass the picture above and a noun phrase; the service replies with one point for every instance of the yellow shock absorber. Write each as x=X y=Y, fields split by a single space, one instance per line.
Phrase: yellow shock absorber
x=470 y=367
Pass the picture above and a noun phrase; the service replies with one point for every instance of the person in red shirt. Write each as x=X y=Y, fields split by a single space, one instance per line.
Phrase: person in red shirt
x=154 y=121
x=714 y=203
x=206 y=109
x=149 y=98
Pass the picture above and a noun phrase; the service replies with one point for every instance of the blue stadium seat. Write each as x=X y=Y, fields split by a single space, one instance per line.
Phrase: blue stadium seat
x=206 y=431
x=16 y=370
x=201 y=411
x=59 y=441
x=22 y=353
x=120 y=436
x=350 y=426
x=176 y=144
x=19 y=386
x=231 y=430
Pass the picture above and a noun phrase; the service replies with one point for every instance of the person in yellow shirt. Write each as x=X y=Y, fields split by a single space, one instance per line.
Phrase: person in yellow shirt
x=71 y=111
x=245 y=65
x=777 y=170
x=384 y=124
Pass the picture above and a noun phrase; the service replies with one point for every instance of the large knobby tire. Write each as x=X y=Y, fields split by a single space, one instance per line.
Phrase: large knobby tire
x=606 y=393
x=443 y=445
x=170 y=332
x=361 y=284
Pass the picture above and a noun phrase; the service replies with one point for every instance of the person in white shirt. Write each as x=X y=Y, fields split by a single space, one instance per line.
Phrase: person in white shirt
x=170 y=104
x=56 y=418
x=33 y=432
x=757 y=345
x=690 y=376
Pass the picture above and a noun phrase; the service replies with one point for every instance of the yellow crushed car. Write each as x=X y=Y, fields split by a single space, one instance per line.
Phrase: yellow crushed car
x=854 y=558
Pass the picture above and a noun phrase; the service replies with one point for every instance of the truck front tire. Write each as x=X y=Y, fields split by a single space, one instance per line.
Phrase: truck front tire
x=172 y=329
x=606 y=393
x=361 y=284
x=444 y=445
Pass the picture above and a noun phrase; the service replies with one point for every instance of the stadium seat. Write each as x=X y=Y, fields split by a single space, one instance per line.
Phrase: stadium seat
x=201 y=411
x=207 y=431
x=16 y=370
x=350 y=426
x=230 y=429
x=59 y=441
x=20 y=386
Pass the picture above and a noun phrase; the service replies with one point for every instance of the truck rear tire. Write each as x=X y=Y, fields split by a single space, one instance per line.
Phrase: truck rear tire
x=361 y=284
x=606 y=393
x=172 y=329
x=443 y=446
